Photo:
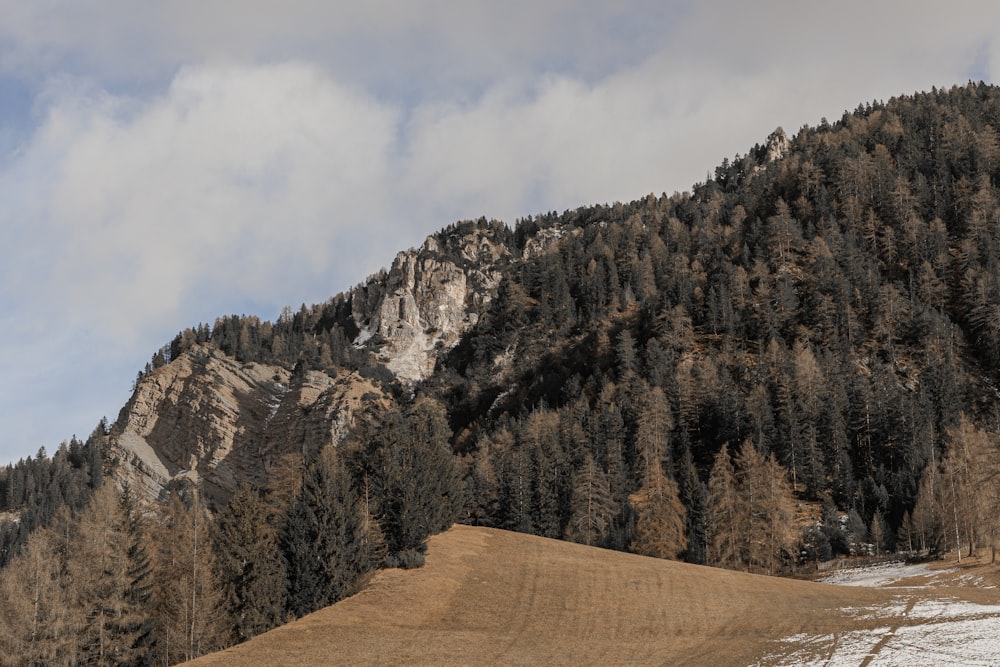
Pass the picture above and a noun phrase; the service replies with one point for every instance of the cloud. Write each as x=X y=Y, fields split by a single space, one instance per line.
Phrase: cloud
x=186 y=160
x=389 y=45
x=234 y=181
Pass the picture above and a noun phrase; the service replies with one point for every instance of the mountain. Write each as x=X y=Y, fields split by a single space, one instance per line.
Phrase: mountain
x=797 y=359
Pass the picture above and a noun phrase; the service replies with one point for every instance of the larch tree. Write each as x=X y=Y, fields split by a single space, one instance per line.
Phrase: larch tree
x=877 y=530
x=751 y=509
x=925 y=521
x=727 y=526
x=652 y=435
x=187 y=599
x=101 y=578
x=661 y=521
x=967 y=486
x=752 y=487
x=37 y=626
x=780 y=512
x=593 y=508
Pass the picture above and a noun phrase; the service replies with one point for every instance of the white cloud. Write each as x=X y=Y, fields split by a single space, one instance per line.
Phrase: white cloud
x=193 y=159
x=235 y=181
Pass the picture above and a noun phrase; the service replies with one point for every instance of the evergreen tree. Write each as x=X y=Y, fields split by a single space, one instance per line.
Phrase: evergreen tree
x=323 y=539
x=694 y=497
x=727 y=537
x=250 y=568
x=415 y=478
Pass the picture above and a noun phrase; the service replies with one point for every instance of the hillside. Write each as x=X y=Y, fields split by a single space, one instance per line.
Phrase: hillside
x=797 y=360
x=494 y=597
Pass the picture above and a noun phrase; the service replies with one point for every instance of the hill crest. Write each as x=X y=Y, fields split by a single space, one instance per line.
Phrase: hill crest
x=493 y=597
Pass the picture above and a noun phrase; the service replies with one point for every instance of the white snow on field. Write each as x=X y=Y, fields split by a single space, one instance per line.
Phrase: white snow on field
x=848 y=648
x=917 y=632
x=878 y=576
x=970 y=641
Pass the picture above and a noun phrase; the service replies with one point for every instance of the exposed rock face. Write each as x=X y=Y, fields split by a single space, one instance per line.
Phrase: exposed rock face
x=209 y=418
x=778 y=146
x=428 y=299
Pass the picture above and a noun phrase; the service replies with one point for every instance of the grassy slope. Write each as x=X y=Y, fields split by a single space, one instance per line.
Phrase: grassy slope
x=494 y=597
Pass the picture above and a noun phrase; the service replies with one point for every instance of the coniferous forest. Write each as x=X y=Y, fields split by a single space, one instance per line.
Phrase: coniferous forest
x=796 y=360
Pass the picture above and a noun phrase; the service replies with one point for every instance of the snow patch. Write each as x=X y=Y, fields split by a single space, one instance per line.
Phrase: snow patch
x=878 y=576
x=363 y=337
x=921 y=632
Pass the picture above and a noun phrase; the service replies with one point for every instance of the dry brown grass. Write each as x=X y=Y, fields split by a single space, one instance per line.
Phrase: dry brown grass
x=492 y=597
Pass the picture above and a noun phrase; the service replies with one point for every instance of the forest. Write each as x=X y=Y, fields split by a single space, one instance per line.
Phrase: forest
x=123 y=581
x=795 y=360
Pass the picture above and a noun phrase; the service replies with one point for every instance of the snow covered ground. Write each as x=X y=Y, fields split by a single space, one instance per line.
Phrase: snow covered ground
x=916 y=632
x=881 y=575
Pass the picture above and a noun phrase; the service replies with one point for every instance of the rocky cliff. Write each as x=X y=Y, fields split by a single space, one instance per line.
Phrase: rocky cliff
x=428 y=299
x=205 y=417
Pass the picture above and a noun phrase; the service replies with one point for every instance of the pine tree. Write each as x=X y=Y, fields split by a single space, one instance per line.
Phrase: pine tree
x=550 y=472
x=694 y=497
x=415 y=477
x=481 y=492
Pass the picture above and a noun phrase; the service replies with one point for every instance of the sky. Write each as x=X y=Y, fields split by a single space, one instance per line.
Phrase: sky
x=163 y=164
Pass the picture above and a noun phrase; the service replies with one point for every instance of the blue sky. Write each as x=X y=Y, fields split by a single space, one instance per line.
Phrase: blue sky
x=162 y=164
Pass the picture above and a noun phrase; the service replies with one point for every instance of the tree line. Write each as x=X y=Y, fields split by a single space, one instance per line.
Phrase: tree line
x=833 y=307
x=33 y=490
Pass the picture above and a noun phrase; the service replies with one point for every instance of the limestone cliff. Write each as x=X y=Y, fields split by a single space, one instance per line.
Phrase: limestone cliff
x=428 y=299
x=206 y=417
